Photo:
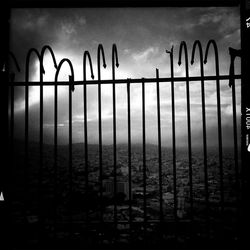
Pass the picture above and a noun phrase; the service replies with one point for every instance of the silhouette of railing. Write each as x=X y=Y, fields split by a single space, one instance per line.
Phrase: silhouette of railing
x=72 y=83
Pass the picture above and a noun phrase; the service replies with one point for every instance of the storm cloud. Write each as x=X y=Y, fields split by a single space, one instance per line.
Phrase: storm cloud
x=142 y=36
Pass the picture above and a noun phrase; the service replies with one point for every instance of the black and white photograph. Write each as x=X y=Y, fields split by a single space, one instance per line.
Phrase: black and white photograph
x=125 y=124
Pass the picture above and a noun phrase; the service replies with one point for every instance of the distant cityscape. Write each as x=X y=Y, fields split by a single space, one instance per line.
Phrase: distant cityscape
x=78 y=200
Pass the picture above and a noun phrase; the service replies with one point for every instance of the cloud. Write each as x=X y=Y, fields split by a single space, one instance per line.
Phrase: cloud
x=68 y=29
x=31 y=20
x=142 y=38
x=146 y=54
x=212 y=17
x=233 y=36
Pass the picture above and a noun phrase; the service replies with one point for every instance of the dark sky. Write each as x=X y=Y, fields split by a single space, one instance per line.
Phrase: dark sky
x=142 y=35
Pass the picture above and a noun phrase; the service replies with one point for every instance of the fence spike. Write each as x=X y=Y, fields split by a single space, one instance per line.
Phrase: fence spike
x=215 y=51
x=85 y=56
x=115 y=56
x=233 y=54
x=183 y=44
x=171 y=50
x=5 y=66
x=47 y=47
x=197 y=43
x=32 y=50
x=15 y=61
x=101 y=50
x=71 y=77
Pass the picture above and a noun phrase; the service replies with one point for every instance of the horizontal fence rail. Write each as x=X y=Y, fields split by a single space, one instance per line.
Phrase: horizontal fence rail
x=135 y=80
x=94 y=228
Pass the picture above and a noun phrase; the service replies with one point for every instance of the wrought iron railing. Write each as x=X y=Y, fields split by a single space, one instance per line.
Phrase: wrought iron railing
x=88 y=220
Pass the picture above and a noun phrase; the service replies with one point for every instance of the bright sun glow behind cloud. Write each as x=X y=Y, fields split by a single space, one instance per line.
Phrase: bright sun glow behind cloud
x=49 y=76
x=71 y=32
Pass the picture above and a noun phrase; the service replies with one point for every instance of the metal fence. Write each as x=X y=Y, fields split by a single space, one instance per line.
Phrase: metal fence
x=86 y=224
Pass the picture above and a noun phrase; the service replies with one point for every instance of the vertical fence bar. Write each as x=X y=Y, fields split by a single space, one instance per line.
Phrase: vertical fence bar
x=233 y=53
x=218 y=117
x=86 y=146
x=71 y=88
x=144 y=158
x=198 y=43
x=173 y=132
x=70 y=148
x=220 y=143
x=159 y=143
x=129 y=160
x=114 y=57
x=235 y=148
x=100 y=50
x=26 y=157
x=85 y=56
x=86 y=150
x=55 y=156
x=27 y=197
x=100 y=141
x=41 y=139
x=183 y=44
x=189 y=147
x=26 y=146
x=100 y=152
x=40 y=151
x=204 y=144
x=114 y=152
x=40 y=172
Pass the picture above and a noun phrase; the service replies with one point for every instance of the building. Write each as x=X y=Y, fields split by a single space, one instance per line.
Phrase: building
x=121 y=187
